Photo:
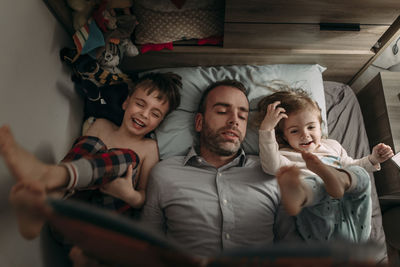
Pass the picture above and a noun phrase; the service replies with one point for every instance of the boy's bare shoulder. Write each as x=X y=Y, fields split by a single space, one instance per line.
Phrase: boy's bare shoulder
x=147 y=148
x=150 y=144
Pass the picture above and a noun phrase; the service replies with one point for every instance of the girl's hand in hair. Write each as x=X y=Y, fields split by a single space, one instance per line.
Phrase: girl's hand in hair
x=273 y=116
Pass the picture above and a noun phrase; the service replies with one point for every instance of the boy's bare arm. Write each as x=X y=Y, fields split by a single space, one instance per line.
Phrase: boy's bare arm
x=150 y=160
x=122 y=187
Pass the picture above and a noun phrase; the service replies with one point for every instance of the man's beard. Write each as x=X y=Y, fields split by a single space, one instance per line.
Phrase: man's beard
x=214 y=142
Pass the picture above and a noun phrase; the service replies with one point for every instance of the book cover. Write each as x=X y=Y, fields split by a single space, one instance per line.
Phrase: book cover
x=116 y=239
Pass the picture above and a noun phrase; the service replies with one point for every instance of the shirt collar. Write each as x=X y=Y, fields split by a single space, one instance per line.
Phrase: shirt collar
x=193 y=156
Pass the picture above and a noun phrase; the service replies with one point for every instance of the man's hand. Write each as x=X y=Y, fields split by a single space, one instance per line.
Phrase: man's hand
x=273 y=116
x=380 y=153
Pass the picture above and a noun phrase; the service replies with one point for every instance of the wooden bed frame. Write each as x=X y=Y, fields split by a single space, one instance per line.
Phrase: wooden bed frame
x=344 y=36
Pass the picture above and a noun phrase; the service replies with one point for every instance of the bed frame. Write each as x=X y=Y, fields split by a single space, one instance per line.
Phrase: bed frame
x=344 y=36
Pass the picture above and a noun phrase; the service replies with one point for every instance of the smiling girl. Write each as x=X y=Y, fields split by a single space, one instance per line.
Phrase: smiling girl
x=327 y=190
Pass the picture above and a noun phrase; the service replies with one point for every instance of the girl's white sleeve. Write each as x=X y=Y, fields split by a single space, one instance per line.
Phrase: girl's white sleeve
x=364 y=162
x=270 y=157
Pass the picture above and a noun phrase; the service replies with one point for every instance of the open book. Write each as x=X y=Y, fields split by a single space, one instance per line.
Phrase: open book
x=116 y=239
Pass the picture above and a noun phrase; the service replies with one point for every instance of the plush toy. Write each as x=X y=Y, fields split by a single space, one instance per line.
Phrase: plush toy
x=105 y=19
x=117 y=44
x=88 y=68
x=82 y=11
x=105 y=13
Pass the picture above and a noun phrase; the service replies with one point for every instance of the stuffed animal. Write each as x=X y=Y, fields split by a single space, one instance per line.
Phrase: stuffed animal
x=82 y=11
x=105 y=13
x=105 y=19
x=118 y=44
x=87 y=68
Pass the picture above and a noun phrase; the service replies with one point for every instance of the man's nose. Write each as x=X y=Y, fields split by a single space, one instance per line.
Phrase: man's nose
x=233 y=119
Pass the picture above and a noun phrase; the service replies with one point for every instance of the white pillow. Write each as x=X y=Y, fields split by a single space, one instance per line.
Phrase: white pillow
x=176 y=134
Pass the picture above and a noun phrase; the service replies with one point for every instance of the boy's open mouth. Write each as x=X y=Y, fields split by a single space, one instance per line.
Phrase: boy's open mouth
x=138 y=122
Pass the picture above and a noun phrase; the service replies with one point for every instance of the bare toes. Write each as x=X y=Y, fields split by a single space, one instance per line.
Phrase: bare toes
x=310 y=157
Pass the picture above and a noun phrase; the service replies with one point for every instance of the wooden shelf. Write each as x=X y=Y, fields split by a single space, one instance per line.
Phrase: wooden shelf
x=380 y=105
x=312 y=11
x=191 y=56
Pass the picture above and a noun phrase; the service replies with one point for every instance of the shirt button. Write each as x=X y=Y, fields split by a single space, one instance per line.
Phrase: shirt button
x=198 y=159
x=219 y=174
x=227 y=236
x=224 y=201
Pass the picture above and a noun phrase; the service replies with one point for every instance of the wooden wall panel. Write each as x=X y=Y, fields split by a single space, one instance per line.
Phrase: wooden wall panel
x=391 y=83
x=299 y=36
x=380 y=105
x=313 y=11
x=341 y=66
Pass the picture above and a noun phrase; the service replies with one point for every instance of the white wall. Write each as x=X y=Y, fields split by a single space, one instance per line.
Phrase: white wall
x=37 y=100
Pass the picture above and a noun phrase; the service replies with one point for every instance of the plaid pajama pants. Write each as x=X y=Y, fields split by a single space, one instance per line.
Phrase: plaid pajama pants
x=100 y=166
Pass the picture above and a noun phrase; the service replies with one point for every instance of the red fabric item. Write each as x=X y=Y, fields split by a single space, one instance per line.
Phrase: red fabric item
x=107 y=162
x=178 y=3
x=98 y=15
x=214 y=40
x=155 y=47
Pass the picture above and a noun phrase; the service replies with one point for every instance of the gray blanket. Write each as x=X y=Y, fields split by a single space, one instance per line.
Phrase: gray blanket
x=346 y=125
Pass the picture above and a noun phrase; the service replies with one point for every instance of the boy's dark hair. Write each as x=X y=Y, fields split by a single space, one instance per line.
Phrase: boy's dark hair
x=228 y=82
x=167 y=84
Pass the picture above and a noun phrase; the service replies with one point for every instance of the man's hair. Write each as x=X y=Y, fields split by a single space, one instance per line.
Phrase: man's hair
x=292 y=100
x=166 y=84
x=228 y=82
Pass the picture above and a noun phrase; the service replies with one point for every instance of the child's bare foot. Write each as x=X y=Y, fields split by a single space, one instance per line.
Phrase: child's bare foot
x=25 y=166
x=28 y=201
x=336 y=181
x=292 y=190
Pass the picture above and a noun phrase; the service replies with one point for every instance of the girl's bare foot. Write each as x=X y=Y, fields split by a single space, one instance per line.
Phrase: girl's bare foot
x=25 y=166
x=28 y=201
x=336 y=181
x=292 y=190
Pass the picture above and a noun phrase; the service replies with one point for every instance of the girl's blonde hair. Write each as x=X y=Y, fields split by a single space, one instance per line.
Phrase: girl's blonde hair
x=292 y=100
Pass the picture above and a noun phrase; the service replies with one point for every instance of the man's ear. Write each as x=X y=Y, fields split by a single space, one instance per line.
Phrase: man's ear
x=198 y=122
